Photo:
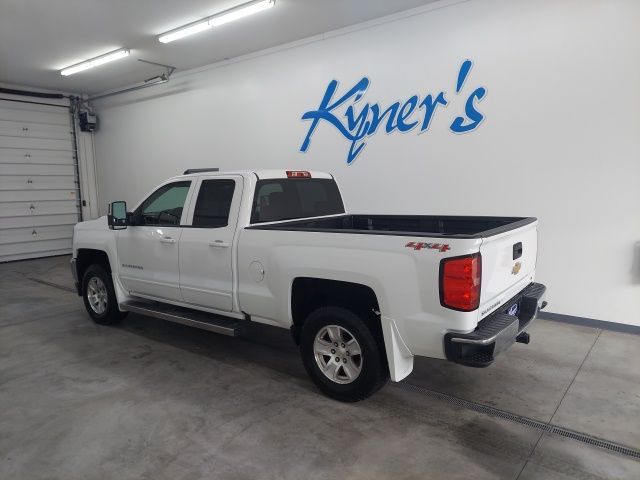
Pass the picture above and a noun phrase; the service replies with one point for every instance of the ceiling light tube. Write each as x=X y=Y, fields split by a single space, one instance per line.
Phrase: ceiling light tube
x=240 y=11
x=184 y=31
x=94 y=62
x=216 y=20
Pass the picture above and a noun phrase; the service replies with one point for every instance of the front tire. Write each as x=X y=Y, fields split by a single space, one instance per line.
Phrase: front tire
x=341 y=354
x=100 y=297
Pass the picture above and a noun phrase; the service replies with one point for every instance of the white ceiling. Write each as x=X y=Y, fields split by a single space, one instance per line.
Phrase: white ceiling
x=38 y=38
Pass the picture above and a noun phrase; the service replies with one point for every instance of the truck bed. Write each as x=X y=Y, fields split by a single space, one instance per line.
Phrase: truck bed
x=405 y=225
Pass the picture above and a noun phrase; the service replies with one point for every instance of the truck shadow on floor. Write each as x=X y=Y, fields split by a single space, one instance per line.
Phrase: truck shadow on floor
x=270 y=351
x=272 y=348
x=269 y=347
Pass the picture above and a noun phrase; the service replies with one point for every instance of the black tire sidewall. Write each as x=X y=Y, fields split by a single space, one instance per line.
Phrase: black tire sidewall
x=112 y=314
x=372 y=376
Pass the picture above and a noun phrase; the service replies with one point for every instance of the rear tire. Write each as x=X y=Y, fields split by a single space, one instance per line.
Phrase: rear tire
x=100 y=297
x=341 y=354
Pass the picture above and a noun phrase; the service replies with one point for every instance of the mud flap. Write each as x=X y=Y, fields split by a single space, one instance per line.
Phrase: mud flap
x=122 y=295
x=399 y=356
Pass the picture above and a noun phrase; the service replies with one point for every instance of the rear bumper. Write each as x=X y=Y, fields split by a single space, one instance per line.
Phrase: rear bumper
x=497 y=332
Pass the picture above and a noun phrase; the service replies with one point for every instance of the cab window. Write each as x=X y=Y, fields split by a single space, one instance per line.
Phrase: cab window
x=289 y=198
x=164 y=206
x=214 y=203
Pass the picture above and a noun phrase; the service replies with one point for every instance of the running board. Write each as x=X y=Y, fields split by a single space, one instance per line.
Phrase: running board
x=186 y=316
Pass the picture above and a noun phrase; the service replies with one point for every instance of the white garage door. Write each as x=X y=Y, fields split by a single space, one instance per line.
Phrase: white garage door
x=38 y=181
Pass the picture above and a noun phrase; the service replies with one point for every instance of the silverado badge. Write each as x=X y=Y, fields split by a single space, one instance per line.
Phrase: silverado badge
x=516 y=268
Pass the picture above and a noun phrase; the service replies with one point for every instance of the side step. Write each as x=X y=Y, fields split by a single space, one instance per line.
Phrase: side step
x=186 y=316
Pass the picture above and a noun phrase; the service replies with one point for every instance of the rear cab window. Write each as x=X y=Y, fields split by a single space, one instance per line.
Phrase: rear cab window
x=290 y=198
x=214 y=203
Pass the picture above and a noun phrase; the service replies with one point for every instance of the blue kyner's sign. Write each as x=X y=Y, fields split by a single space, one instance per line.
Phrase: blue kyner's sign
x=356 y=125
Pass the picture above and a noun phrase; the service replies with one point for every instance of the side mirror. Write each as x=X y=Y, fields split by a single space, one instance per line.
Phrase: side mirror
x=117 y=217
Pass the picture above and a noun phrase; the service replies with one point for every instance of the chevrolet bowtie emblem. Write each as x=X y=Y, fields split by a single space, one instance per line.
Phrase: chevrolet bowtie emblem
x=516 y=268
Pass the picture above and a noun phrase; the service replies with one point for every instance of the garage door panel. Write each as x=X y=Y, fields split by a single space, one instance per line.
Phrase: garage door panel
x=60 y=117
x=35 y=157
x=35 y=130
x=37 y=182
x=35 y=143
x=37 y=221
x=40 y=254
x=26 y=112
x=32 y=234
x=15 y=249
x=24 y=209
x=35 y=195
x=30 y=169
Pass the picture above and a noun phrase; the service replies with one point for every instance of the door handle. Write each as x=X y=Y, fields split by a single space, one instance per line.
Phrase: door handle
x=219 y=244
x=167 y=240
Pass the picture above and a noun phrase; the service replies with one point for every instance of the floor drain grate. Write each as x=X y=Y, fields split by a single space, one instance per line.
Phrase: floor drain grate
x=529 y=422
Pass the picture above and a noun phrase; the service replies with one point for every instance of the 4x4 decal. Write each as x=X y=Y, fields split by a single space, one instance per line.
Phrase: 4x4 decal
x=434 y=246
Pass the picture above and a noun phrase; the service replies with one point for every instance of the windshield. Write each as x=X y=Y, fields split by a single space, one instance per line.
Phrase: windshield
x=289 y=198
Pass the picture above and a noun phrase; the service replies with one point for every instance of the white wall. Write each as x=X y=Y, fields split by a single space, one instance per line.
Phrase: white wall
x=560 y=141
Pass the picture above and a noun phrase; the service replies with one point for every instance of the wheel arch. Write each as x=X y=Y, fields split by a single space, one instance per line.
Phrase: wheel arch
x=310 y=293
x=86 y=257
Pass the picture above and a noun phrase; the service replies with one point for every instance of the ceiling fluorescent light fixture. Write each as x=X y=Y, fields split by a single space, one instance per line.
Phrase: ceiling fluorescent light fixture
x=216 y=20
x=184 y=31
x=240 y=11
x=94 y=62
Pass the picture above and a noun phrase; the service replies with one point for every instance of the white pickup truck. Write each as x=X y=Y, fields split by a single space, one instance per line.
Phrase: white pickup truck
x=362 y=294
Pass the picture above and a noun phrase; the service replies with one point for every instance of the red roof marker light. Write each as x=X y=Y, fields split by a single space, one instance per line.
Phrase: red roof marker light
x=298 y=174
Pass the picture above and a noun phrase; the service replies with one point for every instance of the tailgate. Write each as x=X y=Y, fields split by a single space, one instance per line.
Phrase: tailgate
x=508 y=265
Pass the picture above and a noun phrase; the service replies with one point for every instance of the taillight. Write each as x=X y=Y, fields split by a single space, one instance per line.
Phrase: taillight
x=460 y=282
x=298 y=174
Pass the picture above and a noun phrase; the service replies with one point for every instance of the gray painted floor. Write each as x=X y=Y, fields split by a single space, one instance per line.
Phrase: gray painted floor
x=155 y=400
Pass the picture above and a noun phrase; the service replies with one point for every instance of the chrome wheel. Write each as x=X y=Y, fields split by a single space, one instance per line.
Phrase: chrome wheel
x=338 y=354
x=97 y=295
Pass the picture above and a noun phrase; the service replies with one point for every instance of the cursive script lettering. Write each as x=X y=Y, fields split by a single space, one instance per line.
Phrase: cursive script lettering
x=357 y=121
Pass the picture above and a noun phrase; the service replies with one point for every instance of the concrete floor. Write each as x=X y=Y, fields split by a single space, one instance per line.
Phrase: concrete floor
x=150 y=399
